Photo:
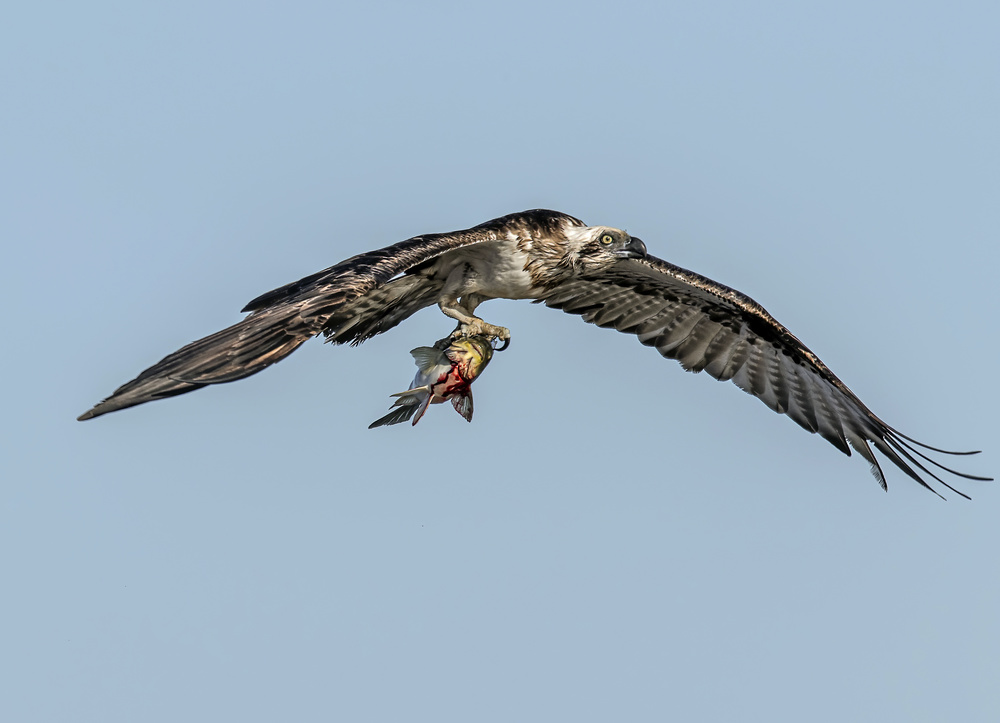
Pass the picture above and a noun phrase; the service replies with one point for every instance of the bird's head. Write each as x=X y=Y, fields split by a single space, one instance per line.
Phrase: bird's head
x=618 y=243
x=600 y=246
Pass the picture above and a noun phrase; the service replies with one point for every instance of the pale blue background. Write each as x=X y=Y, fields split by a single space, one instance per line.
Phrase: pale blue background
x=611 y=539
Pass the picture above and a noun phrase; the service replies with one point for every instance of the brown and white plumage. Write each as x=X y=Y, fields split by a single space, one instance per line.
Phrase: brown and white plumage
x=600 y=273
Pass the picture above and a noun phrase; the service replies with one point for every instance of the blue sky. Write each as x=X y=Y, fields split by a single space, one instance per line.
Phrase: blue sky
x=611 y=538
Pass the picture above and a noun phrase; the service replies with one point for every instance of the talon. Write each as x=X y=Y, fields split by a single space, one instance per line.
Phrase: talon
x=506 y=343
x=478 y=327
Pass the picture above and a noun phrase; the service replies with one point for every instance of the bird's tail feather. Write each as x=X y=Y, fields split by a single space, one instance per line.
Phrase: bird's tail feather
x=243 y=349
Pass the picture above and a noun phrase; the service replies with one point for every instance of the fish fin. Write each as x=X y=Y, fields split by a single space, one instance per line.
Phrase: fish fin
x=421 y=408
x=426 y=357
x=463 y=405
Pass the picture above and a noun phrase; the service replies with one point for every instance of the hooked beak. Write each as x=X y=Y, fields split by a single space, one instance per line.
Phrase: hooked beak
x=634 y=249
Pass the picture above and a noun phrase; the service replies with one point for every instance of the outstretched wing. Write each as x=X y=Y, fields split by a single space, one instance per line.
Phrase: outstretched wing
x=350 y=302
x=707 y=326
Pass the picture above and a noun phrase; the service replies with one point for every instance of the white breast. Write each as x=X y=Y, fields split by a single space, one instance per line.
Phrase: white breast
x=496 y=270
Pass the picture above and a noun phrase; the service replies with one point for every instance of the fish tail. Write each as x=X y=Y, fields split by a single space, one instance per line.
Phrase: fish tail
x=413 y=392
x=395 y=416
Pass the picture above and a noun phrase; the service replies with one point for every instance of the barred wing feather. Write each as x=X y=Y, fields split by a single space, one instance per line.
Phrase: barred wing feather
x=709 y=327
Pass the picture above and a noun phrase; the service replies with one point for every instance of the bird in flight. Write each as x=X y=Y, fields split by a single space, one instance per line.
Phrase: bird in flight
x=600 y=273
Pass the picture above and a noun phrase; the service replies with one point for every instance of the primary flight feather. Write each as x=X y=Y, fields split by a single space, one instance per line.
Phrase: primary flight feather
x=600 y=273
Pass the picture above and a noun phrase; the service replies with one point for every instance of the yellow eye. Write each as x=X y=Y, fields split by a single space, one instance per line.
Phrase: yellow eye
x=606 y=239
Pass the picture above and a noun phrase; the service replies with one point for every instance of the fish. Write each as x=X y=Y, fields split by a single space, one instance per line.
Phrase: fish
x=445 y=372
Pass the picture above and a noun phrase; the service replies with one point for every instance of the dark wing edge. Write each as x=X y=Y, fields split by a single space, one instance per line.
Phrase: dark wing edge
x=352 y=301
x=709 y=327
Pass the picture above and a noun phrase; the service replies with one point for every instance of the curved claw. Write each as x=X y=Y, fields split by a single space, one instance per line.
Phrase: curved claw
x=478 y=327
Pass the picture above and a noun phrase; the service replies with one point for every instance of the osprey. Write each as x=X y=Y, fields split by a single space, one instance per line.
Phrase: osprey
x=600 y=273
